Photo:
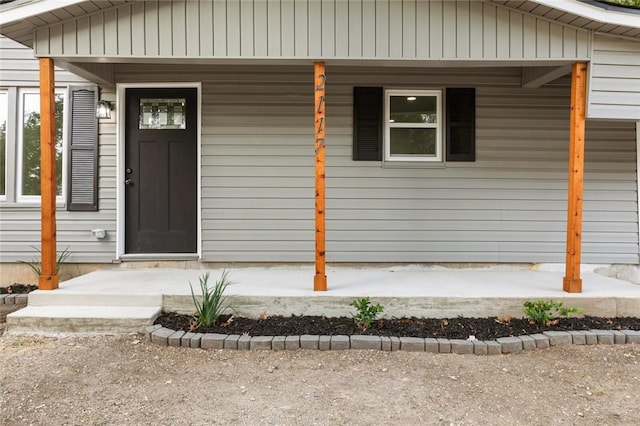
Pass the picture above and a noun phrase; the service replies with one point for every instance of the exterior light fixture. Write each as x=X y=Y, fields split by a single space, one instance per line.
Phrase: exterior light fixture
x=103 y=109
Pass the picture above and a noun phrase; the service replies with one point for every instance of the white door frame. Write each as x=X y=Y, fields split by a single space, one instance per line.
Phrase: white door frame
x=120 y=167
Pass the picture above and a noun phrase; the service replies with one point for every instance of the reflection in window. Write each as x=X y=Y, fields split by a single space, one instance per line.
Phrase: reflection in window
x=30 y=155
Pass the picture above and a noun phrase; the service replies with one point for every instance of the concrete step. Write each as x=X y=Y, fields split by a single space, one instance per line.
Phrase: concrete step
x=53 y=320
x=72 y=297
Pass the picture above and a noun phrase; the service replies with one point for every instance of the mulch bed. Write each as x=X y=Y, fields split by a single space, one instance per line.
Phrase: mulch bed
x=18 y=289
x=451 y=328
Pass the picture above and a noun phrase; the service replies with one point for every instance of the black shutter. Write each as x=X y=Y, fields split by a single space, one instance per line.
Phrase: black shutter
x=82 y=194
x=461 y=124
x=367 y=123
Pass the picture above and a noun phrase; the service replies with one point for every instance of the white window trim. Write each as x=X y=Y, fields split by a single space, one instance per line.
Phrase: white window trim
x=439 y=126
x=6 y=147
x=36 y=199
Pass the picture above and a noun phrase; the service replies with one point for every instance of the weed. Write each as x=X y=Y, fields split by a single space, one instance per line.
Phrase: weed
x=366 y=315
x=213 y=302
x=543 y=312
x=504 y=319
x=36 y=264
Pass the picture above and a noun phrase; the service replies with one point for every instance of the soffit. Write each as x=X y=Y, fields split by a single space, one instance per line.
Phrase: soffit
x=19 y=19
x=586 y=14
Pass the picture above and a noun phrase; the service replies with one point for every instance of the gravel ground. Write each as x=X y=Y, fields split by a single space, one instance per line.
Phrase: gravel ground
x=127 y=380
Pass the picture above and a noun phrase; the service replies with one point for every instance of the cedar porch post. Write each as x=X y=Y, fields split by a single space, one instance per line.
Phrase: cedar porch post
x=572 y=282
x=320 y=279
x=48 y=279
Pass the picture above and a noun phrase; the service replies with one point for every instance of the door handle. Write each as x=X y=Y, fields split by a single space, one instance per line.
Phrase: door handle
x=128 y=182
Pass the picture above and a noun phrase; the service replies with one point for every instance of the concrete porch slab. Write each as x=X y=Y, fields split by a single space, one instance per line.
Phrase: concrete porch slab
x=404 y=290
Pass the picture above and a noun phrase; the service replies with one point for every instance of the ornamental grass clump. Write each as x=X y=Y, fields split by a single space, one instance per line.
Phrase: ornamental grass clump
x=36 y=266
x=213 y=302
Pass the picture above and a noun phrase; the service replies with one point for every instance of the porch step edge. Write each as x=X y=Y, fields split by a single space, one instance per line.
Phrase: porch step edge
x=66 y=298
x=57 y=320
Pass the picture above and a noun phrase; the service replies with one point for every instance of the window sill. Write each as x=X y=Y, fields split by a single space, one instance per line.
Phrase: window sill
x=414 y=165
x=28 y=205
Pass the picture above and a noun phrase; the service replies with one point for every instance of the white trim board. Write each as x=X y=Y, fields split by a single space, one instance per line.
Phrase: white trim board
x=120 y=166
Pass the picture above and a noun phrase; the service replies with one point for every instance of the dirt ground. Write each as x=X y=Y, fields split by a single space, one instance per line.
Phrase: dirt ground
x=128 y=380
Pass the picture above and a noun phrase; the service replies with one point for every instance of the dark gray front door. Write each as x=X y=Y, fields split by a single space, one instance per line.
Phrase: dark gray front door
x=161 y=171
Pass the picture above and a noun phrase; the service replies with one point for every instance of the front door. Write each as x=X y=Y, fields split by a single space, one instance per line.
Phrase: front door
x=161 y=170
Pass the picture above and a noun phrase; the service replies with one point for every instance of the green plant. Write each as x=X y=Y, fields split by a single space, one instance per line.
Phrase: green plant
x=544 y=312
x=366 y=314
x=36 y=265
x=213 y=303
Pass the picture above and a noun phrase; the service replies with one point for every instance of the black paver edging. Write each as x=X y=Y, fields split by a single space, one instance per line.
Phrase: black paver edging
x=504 y=345
x=13 y=299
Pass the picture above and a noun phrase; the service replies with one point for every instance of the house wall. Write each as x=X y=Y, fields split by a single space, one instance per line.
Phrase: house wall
x=508 y=206
x=258 y=176
x=615 y=79
x=20 y=221
x=381 y=29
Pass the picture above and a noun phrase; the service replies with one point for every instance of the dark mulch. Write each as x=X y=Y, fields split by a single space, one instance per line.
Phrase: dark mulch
x=451 y=328
x=18 y=289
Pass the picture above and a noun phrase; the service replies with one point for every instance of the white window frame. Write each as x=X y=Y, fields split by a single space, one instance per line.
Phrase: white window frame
x=3 y=197
x=439 y=125
x=20 y=133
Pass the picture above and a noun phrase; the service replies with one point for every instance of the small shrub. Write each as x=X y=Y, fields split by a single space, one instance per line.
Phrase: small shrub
x=36 y=264
x=213 y=302
x=366 y=315
x=544 y=312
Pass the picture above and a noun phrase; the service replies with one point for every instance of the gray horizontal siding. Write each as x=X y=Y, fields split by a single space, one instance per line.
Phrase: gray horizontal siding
x=20 y=222
x=508 y=206
x=615 y=79
x=363 y=29
x=19 y=68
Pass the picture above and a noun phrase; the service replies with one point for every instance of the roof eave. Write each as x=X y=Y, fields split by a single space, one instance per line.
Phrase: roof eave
x=27 y=10
x=606 y=16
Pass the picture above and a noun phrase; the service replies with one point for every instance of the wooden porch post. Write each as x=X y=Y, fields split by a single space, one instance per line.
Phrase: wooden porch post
x=49 y=277
x=320 y=279
x=572 y=282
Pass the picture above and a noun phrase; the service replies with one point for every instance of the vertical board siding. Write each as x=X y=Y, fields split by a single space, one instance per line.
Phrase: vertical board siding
x=20 y=222
x=508 y=206
x=367 y=29
x=615 y=79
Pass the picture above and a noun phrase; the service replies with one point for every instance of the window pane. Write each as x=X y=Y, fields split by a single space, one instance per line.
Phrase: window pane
x=162 y=114
x=413 y=109
x=3 y=142
x=31 y=143
x=407 y=141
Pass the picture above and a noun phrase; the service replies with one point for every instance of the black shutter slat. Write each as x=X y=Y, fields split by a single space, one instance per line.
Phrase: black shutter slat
x=367 y=123
x=83 y=149
x=461 y=124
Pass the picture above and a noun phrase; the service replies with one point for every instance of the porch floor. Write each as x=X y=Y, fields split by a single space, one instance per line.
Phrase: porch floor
x=405 y=290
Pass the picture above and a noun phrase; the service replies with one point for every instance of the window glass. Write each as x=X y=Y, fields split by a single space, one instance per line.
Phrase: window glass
x=158 y=113
x=3 y=143
x=407 y=141
x=413 y=125
x=413 y=109
x=30 y=155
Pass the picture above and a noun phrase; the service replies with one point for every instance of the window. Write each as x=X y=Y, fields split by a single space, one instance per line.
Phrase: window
x=28 y=187
x=4 y=111
x=411 y=122
x=413 y=125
